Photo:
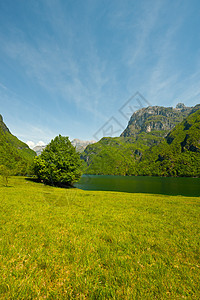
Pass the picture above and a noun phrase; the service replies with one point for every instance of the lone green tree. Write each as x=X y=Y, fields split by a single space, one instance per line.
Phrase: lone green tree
x=5 y=174
x=59 y=163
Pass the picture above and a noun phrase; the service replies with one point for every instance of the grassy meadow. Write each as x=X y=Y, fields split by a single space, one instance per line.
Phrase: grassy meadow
x=71 y=244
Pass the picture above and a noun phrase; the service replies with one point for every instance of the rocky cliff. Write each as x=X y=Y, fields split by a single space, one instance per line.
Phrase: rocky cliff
x=156 y=118
x=179 y=152
x=39 y=149
x=149 y=147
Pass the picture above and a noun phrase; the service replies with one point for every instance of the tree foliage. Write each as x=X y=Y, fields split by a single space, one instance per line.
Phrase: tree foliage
x=5 y=174
x=59 y=164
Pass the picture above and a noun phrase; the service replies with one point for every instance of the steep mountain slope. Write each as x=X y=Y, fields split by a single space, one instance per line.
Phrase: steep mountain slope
x=117 y=156
x=14 y=154
x=111 y=156
x=3 y=126
x=128 y=154
x=179 y=152
x=156 y=118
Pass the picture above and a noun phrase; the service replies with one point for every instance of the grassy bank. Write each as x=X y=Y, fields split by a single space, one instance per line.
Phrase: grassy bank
x=72 y=244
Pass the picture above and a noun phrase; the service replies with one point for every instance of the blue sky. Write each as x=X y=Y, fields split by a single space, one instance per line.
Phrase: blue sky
x=68 y=66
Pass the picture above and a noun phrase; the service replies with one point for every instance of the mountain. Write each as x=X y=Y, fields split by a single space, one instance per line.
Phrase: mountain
x=3 y=126
x=38 y=149
x=156 y=118
x=14 y=154
x=78 y=144
x=127 y=155
x=81 y=145
x=187 y=133
x=178 y=154
x=110 y=156
x=117 y=156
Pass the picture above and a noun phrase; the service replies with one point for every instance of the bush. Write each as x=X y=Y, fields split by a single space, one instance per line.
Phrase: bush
x=59 y=163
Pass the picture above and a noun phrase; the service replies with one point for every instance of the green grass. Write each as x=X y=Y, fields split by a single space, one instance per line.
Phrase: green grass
x=71 y=244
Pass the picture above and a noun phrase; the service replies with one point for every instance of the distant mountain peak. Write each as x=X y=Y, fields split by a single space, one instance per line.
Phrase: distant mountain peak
x=38 y=149
x=81 y=145
x=78 y=144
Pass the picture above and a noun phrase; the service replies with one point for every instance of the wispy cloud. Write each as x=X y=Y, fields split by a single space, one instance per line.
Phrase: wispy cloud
x=3 y=86
x=34 y=133
x=139 y=43
x=57 y=70
x=76 y=64
x=31 y=144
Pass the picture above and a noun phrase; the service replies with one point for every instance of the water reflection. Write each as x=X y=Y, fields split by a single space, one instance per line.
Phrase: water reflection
x=132 y=184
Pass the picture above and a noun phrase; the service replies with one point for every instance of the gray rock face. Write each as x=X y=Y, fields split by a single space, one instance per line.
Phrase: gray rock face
x=181 y=106
x=156 y=118
x=81 y=145
x=39 y=149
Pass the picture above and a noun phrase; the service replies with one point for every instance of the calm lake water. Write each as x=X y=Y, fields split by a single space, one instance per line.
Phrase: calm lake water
x=140 y=184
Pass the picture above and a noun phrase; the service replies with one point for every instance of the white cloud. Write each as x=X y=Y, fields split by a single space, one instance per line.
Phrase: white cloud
x=40 y=143
x=30 y=144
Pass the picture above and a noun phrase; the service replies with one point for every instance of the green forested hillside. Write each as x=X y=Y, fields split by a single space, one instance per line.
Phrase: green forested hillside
x=118 y=156
x=110 y=156
x=14 y=154
x=155 y=153
x=178 y=154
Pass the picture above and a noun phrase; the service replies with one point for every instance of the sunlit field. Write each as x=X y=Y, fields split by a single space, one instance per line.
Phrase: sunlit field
x=71 y=244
